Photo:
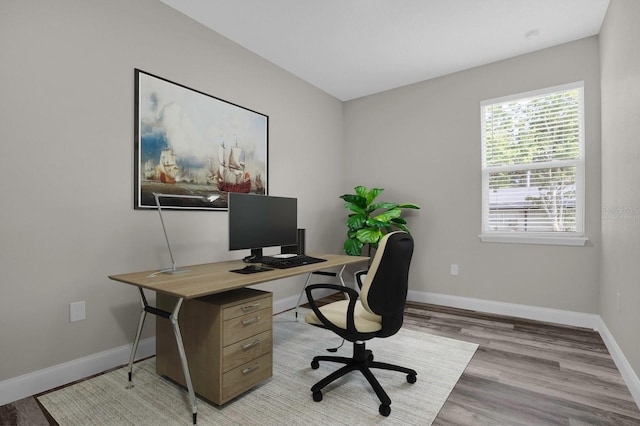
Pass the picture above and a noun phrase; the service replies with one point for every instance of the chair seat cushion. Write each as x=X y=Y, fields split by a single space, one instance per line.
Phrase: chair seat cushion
x=336 y=312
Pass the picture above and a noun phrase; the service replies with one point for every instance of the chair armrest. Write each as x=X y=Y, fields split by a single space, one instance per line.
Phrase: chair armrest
x=350 y=292
x=353 y=297
x=358 y=276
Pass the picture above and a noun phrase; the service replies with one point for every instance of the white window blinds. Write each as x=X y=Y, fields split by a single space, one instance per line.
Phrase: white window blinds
x=533 y=163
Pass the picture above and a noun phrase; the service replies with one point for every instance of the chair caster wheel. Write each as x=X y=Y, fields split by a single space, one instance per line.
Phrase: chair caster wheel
x=411 y=378
x=317 y=396
x=315 y=364
x=385 y=410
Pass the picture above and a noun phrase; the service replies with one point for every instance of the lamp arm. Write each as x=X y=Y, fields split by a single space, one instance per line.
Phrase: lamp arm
x=157 y=196
x=164 y=230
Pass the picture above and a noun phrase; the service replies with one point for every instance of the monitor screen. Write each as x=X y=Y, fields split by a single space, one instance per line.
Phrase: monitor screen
x=257 y=221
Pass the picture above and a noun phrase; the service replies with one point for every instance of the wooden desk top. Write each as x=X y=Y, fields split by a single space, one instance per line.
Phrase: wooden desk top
x=210 y=278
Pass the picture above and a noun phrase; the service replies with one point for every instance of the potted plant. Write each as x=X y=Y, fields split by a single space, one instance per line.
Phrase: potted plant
x=370 y=220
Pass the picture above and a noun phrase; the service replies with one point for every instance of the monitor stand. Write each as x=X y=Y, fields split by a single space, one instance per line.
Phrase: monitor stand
x=254 y=257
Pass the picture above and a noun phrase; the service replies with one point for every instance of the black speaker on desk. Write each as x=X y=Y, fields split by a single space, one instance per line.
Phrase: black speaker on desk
x=295 y=249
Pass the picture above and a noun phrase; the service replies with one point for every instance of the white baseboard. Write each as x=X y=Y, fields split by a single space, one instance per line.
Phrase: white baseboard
x=58 y=375
x=629 y=376
x=576 y=319
x=61 y=374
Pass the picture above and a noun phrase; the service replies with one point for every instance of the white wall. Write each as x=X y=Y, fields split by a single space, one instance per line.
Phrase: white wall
x=66 y=133
x=620 y=67
x=422 y=144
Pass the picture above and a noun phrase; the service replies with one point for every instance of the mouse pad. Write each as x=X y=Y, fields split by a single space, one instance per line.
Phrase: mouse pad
x=249 y=271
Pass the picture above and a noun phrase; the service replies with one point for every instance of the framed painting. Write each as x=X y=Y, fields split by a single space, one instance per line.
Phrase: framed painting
x=195 y=147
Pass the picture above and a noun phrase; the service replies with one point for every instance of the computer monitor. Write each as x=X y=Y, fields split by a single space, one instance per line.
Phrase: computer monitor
x=258 y=221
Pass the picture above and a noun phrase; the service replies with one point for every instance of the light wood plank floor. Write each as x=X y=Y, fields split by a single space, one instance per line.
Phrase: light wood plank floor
x=524 y=373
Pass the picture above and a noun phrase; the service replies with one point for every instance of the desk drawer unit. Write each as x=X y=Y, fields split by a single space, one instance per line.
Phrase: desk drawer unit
x=228 y=341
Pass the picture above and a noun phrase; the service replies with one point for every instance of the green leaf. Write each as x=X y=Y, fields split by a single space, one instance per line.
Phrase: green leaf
x=361 y=191
x=388 y=215
x=398 y=220
x=409 y=206
x=357 y=200
x=353 y=247
x=372 y=223
x=369 y=235
x=376 y=206
x=356 y=221
x=354 y=208
x=403 y=227
x=373 y=194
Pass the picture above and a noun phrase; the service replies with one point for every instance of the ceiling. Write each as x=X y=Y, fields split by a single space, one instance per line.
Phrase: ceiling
x=354 y=48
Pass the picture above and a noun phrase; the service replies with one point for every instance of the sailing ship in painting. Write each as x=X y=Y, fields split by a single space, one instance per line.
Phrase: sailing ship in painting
x=166 y=171
x=259 y=185
x=150 y=170
x=168 y=166
x=232 y=174
x=229 y=172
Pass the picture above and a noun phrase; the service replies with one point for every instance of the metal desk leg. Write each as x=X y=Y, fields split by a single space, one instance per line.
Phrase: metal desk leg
x=134 y=349
x=340 y=275
x=183 y=359
x=173 y=318
x=320 y=273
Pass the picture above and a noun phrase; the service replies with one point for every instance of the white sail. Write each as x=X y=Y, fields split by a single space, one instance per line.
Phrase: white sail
x=220 y=173
x=221 y=154
x=149 y=170
x=231 y=175
x=168 y=162
x=236 y=165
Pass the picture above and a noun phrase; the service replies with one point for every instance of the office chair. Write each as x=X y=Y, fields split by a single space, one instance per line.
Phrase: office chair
x=378 y=312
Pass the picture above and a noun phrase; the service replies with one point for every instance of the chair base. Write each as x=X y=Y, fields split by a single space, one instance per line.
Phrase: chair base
x=362 y=360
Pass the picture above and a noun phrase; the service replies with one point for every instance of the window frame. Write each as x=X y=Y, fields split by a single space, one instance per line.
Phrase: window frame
x=576 y=238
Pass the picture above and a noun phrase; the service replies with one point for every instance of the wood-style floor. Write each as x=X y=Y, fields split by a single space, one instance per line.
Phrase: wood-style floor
x=523 y=373
x=527 y=372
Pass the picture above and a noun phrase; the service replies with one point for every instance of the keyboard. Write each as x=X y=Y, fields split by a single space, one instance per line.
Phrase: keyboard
x=290 y=262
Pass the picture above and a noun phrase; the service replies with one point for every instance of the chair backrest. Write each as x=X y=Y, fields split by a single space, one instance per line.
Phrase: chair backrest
x=384 y=291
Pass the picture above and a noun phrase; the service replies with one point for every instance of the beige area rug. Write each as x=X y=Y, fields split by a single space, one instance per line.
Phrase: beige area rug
x=285 y=399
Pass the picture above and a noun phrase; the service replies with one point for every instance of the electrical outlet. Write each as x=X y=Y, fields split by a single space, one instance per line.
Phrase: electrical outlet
x=77 y=311
x=454 y=269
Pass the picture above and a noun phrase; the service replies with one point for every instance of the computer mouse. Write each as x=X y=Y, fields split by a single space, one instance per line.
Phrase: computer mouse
x=252 y=268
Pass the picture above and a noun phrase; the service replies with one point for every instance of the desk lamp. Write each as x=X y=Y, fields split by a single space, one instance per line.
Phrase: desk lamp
x=157 y=196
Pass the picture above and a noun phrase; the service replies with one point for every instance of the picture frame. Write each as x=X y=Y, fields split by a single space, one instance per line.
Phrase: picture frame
x=189 y=143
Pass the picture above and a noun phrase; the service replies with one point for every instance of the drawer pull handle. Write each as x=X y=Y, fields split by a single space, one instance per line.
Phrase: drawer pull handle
x=248 y=308
x=250 y=321
x=250 y=369
x=250 y=345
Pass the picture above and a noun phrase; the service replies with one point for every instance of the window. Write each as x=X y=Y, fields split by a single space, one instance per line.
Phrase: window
x=533 y=167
